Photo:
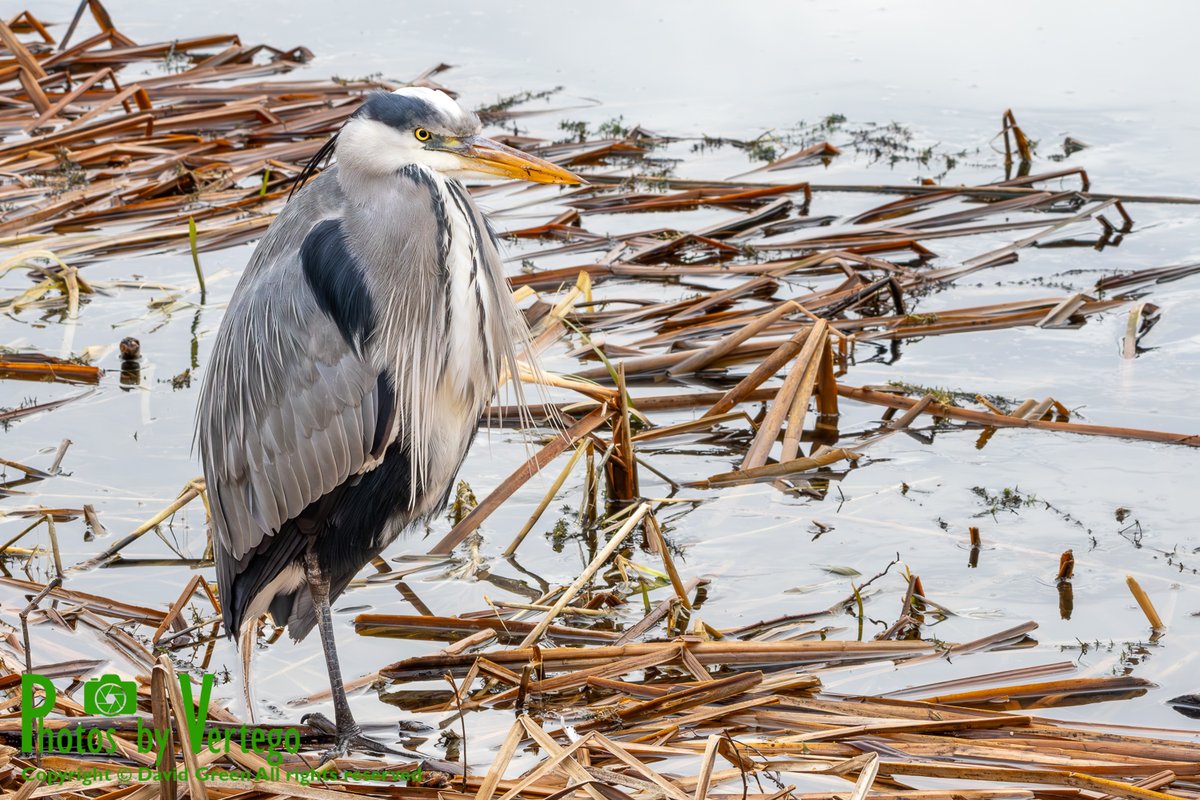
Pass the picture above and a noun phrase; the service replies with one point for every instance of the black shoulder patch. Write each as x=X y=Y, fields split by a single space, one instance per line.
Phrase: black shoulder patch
x=386 y=395
x=337 y=282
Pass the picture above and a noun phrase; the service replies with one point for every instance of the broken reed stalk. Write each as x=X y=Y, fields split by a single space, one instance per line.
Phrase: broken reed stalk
x=500 y=761
x=165 y=670
x=514 y=481
x=644 y=403
x=546 y=500
x=799 y=407
x=768 y=429
x=611 y=547
x=46 y=368
x=987 y=419
x=189 y=493
x=594 y=391
x=745 y=388
x=438 y=628
x=779 y=469
x=1133 y=324
x=702 y=424
x=1023 y=147
x=559 y=757
x=1143 y=600
x=659 y=544
x=702 y=358
x=866 y=778
x=725 y=652
x=827 y=395
x=656 y=614
x=622 y=465
x=160 y=706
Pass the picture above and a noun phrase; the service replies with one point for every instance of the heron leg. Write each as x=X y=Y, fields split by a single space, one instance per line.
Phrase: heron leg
x=318 y=586
x=347 y=734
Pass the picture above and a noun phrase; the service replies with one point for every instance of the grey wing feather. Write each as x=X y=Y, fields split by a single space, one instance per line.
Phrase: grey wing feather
x=288 y=409
x=269 y=454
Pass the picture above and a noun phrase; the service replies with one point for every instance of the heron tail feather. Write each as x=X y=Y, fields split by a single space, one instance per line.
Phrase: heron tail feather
x=246 y=648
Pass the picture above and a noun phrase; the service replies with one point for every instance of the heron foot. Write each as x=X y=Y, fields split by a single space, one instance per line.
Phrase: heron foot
x=346 y=739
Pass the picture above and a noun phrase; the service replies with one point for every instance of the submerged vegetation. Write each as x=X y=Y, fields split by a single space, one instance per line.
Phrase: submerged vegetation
x=581 y=131
x=891 y=144
x=508 y=102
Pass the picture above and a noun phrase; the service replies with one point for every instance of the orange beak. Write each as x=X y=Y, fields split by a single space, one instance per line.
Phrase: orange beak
x=490 y=157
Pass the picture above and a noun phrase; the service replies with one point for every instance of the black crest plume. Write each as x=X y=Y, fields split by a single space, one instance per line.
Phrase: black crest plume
x=314 y=164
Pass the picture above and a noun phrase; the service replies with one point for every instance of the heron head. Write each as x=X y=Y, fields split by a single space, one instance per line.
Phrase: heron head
x=417 y=125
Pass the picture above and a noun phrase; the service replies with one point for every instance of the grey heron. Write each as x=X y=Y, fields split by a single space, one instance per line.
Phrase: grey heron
x=346 y=382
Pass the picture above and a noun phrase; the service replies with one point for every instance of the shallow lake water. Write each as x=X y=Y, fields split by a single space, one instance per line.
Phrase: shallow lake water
x=1091 y=71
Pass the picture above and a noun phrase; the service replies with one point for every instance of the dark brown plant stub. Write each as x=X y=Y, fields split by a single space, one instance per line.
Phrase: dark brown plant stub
x=976 y=545
x=1066 y=566
x=131 y=349
x=95 y=528
x=131 y=363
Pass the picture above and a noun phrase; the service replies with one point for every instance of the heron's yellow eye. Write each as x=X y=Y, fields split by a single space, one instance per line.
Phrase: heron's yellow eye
x=422 y=135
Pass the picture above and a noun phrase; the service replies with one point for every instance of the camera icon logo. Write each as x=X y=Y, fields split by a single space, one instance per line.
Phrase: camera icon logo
x=109 y=696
